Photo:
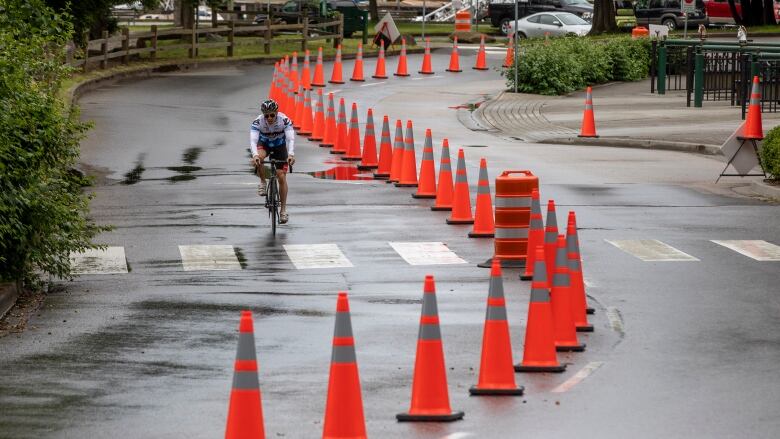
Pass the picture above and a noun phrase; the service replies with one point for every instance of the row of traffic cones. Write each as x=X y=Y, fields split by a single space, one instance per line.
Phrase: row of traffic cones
x=548 y=330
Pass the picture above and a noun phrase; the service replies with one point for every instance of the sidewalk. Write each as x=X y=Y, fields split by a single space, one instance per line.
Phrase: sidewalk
x=627 y=115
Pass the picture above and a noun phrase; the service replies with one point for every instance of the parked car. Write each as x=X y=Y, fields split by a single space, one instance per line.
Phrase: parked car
x=556 y=24
x=624 y=15
x=502 y=12
x=719 y=12
x=668 y=13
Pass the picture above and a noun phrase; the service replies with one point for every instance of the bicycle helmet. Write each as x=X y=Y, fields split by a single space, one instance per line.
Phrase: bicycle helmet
x=269 y=107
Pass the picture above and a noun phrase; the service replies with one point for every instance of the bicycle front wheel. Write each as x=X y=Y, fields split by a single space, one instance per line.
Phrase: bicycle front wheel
x=273 y=204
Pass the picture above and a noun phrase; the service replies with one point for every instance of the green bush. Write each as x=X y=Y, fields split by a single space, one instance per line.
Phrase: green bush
x=770 y=153
x=43 y=212
x=562 y=65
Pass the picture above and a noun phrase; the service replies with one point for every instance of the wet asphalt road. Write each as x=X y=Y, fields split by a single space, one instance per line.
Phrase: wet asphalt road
x=691 y=349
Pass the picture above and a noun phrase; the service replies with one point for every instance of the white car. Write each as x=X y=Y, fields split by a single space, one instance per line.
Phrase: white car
x=553 y=24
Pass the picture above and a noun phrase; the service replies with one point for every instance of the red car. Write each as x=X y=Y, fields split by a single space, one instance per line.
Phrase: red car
x=719 y=12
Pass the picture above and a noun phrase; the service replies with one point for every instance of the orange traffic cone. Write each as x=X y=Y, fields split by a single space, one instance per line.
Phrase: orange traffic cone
x=539 y=354
x=426 y=64
x=357 y=70
x=588 y=122
x=398 y=154
x=385 y=152
x=430 y=396
x=535 y=236
x=292 y=100
x=308 y=122
x=573 y=222
x=342 y=140
x=550 y=238
x=481 y=63
x=444 y=186
x=484 y=225
x=300 y=103
x=496 y=371
x=402 y=69
x=379 y=72
x=454 y=58
x=579 y=305
x=409 y=160
x=509 y=59
x=306 y=72
x=272 y=87
x=318 y=132
x=353 y=149
x=245 y=413
x=336 y=74
x=368 y=160
x=319 y=74
x=329 y=138
x=281 y=94
x=344 y=407
x=565 y=331
x=294 y=71
x=754 y=129
x=461 y=203
x=427 y=184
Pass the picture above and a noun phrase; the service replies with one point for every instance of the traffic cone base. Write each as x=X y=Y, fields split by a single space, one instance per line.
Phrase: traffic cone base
x=423 y=196
x=526 y=277
x=584 y=328
x=405 y=184
x=570 y=348
x=450 y=221
x=401 y=74
x=505 y=263
x=550 y=369
x=590 y=310
x=441 y=209
x=481 y=235
x=474 y=390
x=407 y=417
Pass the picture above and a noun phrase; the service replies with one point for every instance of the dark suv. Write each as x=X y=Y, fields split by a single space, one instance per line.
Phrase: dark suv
x=292 y=11
x=668 y=13
x=502 y=12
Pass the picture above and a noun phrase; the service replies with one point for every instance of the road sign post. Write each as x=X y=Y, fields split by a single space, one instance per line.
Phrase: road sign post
x=687 y=7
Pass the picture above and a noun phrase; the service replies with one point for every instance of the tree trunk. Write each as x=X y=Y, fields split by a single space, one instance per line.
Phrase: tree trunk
x=769 y=12
x=185 y=14
x=373 y=9
x=603 y=17
x=747 y=15
x=733 y=8
x=757 y=12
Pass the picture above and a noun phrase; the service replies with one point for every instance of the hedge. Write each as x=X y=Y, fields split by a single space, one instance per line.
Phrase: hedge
x=43 y=210
x=562 y=65
x=770 y=153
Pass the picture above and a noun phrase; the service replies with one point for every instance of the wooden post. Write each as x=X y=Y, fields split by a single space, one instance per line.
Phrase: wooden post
x=193 y=41
x=340 y=38
x=86 y=51
x=305 y=32
x=154 y=43
x=104 y=50
x=267 y=38
x=231 y=37
x=126 y=45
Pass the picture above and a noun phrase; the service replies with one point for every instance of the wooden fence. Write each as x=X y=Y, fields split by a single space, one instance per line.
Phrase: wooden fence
x=108 y=48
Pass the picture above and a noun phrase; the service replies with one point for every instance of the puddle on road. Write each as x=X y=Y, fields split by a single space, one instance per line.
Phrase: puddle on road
x=134 y=175
x=184 y=169
x=343 y=173
x=190 y=155
x=181 y=177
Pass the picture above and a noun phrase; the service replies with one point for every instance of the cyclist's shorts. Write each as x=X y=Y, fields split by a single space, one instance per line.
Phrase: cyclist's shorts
x=277 y=153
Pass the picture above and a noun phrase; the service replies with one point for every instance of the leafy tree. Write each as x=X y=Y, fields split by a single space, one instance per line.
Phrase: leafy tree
x=43 y=211
x=92 y=16
x=603 y=19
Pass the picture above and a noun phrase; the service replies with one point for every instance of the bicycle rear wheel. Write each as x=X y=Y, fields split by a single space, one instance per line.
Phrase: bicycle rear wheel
x=273 y=204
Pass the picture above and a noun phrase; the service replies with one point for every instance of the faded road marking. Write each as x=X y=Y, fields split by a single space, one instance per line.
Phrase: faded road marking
x=578 y=377
x=426 y=253
x=651 y=250
x=373 y=83
x=109 y=261
x=208 y=257
x=615 y=321
x=308 y=256
x=755 y=249
x=458 y=435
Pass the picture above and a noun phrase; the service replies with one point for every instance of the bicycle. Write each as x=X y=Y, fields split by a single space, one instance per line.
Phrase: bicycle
x=272 y=202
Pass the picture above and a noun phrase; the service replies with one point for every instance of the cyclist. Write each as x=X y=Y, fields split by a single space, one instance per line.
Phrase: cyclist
x=273 y=132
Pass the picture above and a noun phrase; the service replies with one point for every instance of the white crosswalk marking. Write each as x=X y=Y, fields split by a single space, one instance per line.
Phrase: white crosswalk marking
x=308 y=256
x=651 y=250
x=208 y=257
x=756 y=249
x=426 y=253
x=112 y=260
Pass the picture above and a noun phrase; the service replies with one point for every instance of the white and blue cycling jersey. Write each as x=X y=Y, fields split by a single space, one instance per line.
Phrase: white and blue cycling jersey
x=277 y=134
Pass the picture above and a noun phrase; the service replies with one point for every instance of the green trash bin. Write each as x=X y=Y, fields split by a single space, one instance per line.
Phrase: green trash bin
x=355 y=19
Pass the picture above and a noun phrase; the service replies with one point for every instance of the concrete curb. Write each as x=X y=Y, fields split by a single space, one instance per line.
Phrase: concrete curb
x=764 y=189
x=624 y=142
x=9 y=292
x=145 y=71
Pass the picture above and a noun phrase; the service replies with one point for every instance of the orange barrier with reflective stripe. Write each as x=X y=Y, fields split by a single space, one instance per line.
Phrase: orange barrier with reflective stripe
x=463 y=21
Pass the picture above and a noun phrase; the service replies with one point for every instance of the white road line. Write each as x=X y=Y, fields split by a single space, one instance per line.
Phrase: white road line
x=112 y=260
x=333 y=91
x=208 y=257
x=651 y=250
x=307 y=256
x=755 y=249
x=458 y=435
x=589 y=283
x=615 y=321
x=426 y=253
x=578 y=377
x=373 y=83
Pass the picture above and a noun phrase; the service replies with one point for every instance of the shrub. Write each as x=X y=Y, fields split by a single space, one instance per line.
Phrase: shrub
x=43 y=212
x=770 y=153
x=562 y=65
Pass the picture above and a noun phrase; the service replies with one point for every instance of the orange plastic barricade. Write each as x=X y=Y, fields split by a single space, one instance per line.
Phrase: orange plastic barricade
x=463 y=21
x=513 y=216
